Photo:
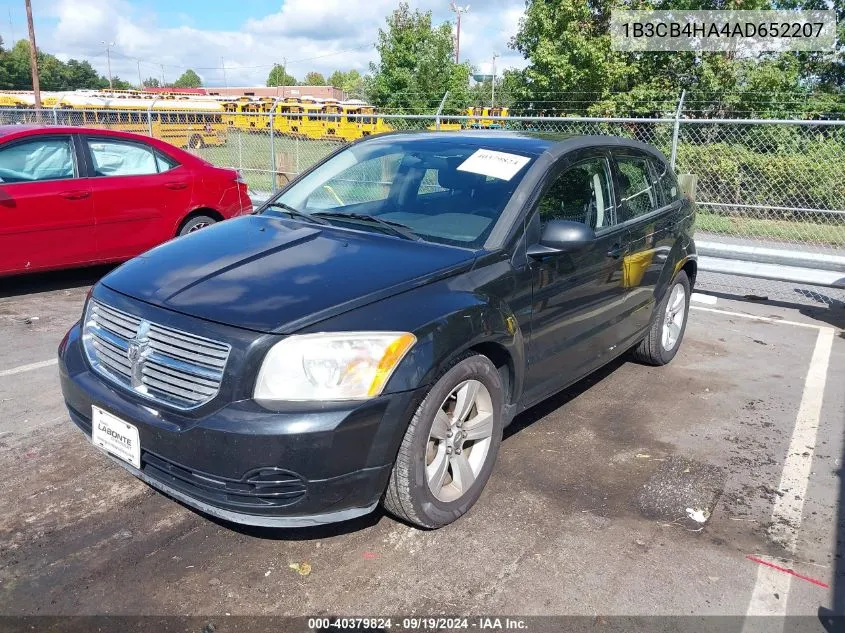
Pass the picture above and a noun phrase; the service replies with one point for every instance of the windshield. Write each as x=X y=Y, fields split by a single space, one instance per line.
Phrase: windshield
x=438 y=189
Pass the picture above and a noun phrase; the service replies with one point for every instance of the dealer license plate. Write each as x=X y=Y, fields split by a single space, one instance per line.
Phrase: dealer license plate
x=115 y=436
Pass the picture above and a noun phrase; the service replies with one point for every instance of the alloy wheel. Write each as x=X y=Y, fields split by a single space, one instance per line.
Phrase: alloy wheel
x=459 y=441
x=676 y=312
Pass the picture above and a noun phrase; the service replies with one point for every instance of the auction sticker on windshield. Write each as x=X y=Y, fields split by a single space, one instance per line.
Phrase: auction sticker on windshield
x=488 y=162
x=115 y=436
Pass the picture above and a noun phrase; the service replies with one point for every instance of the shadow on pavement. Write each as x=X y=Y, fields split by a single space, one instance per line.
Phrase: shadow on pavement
x=56 y=280
x=833 y=314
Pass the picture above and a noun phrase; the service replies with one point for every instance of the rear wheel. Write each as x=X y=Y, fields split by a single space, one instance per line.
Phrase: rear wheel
x=196 y=223
x=196 y=142
x=668 y=325
x=451 y=444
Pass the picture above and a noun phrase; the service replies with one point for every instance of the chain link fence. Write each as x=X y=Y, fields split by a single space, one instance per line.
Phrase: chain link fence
x=761 y=185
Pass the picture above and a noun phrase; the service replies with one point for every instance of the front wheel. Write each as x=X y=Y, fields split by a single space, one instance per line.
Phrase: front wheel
x=668 y=326
x=451 y=444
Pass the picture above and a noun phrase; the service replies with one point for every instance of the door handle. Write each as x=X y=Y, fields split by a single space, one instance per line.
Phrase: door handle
x=615 y=251
x=176 y=185
x=75 y=195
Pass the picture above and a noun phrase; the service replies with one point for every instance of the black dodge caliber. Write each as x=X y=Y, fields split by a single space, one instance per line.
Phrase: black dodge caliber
x=366 y=336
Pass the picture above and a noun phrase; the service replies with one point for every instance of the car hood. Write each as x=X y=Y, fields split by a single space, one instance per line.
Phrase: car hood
x=276 y=275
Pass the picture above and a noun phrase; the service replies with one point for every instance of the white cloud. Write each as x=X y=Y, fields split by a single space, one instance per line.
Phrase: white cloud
x=321 y=35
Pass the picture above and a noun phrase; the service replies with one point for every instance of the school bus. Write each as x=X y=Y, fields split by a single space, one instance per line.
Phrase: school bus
x=333 y=122
x=479 y=117
x=289 y=118
x=183 y=122
x=365 y=123
x=313 y=124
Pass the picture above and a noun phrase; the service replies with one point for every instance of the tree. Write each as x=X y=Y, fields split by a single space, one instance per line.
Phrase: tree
x=314 y=79
x=52 y=72
x=79 y=74
x=279 y=77
x=416 y=65
x=568 y=46
x=189 y=79
x=572 y=69
x=350 y=82
x=151 y=82
x=117 y=83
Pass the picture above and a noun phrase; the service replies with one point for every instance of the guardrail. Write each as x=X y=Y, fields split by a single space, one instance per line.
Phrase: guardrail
x=774 y=264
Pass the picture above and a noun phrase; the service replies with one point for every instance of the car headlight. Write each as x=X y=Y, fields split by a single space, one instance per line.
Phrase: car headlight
x=331 y=365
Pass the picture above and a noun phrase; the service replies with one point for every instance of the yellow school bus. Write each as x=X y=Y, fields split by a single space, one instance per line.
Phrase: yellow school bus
x=12 y=100
x=313 y=124
x=184 y=122
x=479 y=117
x=332 y=120
x=287 y=118
x=252 y=116
x=360 y=119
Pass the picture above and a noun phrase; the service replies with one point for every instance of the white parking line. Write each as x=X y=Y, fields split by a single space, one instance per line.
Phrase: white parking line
x=30 y=367
x=771 y=589
x=703 y=298
x=754 y=317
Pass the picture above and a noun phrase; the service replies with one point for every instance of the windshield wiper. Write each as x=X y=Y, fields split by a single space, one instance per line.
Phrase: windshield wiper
x=396 y=228
x=296 y=213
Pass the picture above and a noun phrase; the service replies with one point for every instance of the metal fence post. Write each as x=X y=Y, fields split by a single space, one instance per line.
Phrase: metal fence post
x=55 y=114
x=677 y=129
x=272 y=152
x=439 y=110
x=150 y=116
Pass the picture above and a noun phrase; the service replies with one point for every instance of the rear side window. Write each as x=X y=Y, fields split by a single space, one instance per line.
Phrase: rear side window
x=665 y=181
x=637 y=192
x=118 y=158
x=165 y=163
x=39 y=159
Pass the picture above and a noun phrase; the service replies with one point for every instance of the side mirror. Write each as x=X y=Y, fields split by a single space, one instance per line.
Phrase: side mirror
x=562 y=236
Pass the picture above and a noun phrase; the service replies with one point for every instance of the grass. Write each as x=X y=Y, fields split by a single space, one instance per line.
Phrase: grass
x=250 y=152
x=831 y=233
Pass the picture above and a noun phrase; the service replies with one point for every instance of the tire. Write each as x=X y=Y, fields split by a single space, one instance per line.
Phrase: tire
x=196 y=223
x=658 y=347
x=409 y=495
x=196 y=142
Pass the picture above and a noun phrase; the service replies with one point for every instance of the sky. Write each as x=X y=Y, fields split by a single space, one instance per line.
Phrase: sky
x=248 y=35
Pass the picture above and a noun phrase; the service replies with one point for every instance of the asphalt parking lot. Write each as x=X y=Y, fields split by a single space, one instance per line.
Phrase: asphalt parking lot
x=558 y=530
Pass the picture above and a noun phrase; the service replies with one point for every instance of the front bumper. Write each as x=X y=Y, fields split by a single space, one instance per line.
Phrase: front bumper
x=303 y=465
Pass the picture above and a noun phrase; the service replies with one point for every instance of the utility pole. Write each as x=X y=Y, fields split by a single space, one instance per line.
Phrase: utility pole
x=458 y=11
x=108 y=46
x=140 y=81
x=493 y=84
x=33 y=61
x=163 y=83
x=223 y=65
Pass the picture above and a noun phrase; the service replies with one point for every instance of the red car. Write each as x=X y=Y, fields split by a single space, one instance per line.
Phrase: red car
x=74 y=196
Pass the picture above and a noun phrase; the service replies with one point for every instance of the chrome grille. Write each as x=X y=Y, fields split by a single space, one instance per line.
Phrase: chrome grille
x=155 y=361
